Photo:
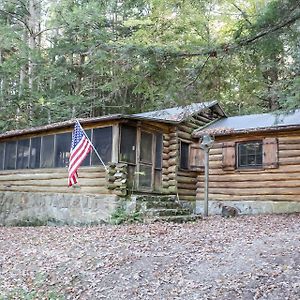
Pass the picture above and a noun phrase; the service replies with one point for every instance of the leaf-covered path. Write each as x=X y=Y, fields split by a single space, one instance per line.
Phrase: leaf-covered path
x=248 y=257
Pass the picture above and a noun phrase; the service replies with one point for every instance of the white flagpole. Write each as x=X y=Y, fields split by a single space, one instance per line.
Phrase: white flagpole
x=96 y=152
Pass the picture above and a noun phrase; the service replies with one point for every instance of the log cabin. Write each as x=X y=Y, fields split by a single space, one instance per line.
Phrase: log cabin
x=148 y=153
x=254 y=163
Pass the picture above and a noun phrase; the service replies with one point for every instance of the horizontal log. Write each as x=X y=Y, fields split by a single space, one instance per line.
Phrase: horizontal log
x=256 y=191
x=173 y=136
x=52 y=170
x=165 y=156
x=173 y=153
x=197 y=122
x=289 y=140
x=216 y=157
x=187 y=173
x=187 y=127
x=187 y=198
x=174 y=147
x=282 y=147
x=252 y=184
x=282 y=169
x=42 y=176
x=251 y=177
x=184 y=135
x=166 y=143
x=182 y=179
x=187 y=186
x=186 y=192
x=215 y=151
x=289 y=160
x=221 y=197
x=55 y=189
x=289 y=153
x=55 y=182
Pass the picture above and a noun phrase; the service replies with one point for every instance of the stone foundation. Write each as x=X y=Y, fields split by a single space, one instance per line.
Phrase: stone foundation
x=251 y=207
x=18 y=208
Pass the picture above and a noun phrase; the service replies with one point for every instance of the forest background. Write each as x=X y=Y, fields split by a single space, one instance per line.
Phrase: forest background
x=61 y=59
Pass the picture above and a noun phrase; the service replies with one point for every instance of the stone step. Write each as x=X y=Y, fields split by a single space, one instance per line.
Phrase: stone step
x=150 y=198
x=173 y=219
x=161 y=204
x=159 y=212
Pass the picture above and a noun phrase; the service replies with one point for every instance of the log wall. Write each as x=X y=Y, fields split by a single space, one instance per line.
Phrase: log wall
x=187 y=179
x=91 y=179
x=277 y=184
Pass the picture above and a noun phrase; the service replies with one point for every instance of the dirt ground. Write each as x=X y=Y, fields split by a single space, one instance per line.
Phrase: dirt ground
x=247 y=257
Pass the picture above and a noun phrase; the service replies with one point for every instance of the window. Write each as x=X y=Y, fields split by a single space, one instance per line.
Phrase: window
x=102 y=141
x=87 y=160
x=47 y=152
x=10 y=156
x=23 y=154
x=146 y=147
x=2 y=148
x=250 y=154
x=128 y=144
x=184 y=155
x=158 y=151
x=35 y=151
x=62 y=151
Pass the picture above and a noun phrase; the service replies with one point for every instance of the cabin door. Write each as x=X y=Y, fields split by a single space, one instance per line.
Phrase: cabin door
x=146 y=160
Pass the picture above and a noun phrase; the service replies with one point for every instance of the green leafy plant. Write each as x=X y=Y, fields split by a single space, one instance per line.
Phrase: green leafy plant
x=121 y=216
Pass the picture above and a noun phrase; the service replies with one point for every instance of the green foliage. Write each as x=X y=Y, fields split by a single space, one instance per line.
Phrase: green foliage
x=121 y=216
x=89 y=58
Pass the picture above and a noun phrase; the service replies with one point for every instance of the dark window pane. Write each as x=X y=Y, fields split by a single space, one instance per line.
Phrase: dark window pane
x=250 y=154
x=131 y=177
x=146 y=147
x=184 y=155
x=158 y=151
x=128 y=144
x=62 y=151
x=23 y=154
x=35 y=150
x=102 y=141
x=47 y=153
x=87 y=160
x=10 y=156
x=2 y=147
x=145 y=176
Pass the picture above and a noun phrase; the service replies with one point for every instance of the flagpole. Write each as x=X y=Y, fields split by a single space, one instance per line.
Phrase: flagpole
x=96 y=152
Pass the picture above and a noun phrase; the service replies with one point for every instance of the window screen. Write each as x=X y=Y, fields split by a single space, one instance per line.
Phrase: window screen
x=87 y=160
x=35 y=150
x=128 y=144
x=62 y=151
x=145 y=176
x=184 y=155
x=47 y=153
x=23 y=154
x=250 y=154
x=102 y=141
x=10 y=156
x=158 y=151
x=146 y=147
x=2 y=148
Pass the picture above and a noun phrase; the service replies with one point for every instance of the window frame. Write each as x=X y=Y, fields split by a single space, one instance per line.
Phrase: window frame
x=188 y=155
x=248 y=166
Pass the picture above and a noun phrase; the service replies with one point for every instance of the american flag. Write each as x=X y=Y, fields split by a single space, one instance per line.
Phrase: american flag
x=80 y=148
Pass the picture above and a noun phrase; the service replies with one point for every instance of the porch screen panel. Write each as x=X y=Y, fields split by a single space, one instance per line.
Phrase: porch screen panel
x=102 y=141
x=23 y=154
x=10 y=156
x=62 y=151
x=47 y=151
x=158 y=151
x=35 y=152
x=128 y=144
x=146 y=147
x=145 y=176
x=184 y=155
x=87 y=160
x=2 y=147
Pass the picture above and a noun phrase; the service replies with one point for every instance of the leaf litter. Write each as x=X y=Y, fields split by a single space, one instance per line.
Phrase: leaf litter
x=247 y=257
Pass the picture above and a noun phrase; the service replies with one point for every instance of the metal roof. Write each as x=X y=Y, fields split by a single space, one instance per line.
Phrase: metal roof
x=170 y=115
x=255 y=122
x=180 y=113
